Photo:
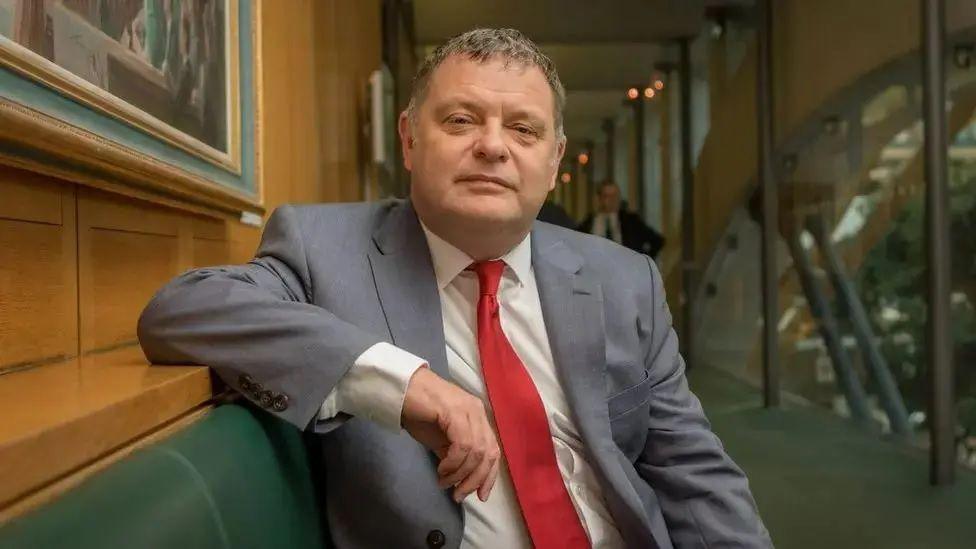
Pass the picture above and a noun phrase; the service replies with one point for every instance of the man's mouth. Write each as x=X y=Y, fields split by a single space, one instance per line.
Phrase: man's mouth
x=482 y=178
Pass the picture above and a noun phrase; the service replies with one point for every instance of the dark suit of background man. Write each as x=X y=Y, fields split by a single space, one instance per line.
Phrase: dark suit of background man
x=476 y=378
x=614 y=222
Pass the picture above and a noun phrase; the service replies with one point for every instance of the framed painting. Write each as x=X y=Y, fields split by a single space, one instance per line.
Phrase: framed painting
x=153 y=98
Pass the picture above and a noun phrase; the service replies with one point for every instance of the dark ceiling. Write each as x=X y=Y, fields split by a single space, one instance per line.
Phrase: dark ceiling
x=599 y=48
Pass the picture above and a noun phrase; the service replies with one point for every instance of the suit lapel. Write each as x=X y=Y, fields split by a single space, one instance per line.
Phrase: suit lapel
x=572 y=306
x=407 y=288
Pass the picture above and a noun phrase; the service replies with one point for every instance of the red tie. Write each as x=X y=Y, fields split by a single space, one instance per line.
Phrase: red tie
x=523 y=427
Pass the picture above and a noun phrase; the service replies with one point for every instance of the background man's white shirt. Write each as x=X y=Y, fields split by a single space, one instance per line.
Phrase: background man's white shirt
x=604 y=220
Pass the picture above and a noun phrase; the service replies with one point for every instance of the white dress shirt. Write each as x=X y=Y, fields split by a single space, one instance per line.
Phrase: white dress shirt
x=604 y=220
x=376 y=384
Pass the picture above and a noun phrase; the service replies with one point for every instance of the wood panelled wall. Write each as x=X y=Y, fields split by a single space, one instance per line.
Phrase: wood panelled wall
x=77 y=265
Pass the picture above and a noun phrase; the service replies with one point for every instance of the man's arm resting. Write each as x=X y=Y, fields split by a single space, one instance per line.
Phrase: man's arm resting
x=255 y=326
x=704 y=495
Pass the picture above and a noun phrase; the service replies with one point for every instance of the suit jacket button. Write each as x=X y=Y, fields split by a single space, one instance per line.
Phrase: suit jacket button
x=265 y=398
x=245 y=382
x=436 y=539
x=255 y=390
x=280 y=403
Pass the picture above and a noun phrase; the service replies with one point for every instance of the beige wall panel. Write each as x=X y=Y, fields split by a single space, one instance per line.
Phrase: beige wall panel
x=126 y=270
x=211 y=229
x=126 y=251
x=38 y=282
x=207 y=253
x=347 y=49
x=243 y=242
x=30 y=197
x=291 y=114
x=208 y=241
x=303 y=109
x=277 y=134
x=99 y=210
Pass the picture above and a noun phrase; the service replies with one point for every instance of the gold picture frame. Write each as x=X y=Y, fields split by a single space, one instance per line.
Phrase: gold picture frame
x=98 y=139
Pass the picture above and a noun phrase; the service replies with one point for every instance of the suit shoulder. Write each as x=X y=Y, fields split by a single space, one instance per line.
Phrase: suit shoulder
x=596 y=251
x=341 y=224
x=343 y=213
x=340 y=210
x=593 y=245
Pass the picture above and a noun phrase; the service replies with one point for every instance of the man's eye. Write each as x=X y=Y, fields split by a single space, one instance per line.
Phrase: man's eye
x=525 y=130
x=457 y=120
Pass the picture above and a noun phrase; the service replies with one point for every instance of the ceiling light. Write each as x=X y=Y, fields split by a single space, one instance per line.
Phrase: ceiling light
x=565 y=177
x=659 y=84
x=649 y=93
x=583 y=158
x=632 y=93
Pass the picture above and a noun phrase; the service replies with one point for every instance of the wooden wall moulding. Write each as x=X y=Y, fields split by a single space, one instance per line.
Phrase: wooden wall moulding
x=141 y=103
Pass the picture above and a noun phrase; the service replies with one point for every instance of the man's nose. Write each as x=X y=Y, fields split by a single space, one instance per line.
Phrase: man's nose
x=491 y=144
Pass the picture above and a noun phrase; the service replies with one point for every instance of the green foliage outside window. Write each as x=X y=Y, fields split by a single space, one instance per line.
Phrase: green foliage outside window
x=892 y=281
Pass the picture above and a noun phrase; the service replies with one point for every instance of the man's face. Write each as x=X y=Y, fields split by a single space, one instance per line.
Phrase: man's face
x=609 y=198
x=483 y=150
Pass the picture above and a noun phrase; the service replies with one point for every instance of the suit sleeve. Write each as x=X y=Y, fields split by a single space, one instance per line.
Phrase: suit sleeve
x=375 y=387
x=704 y=495
x=255 y=326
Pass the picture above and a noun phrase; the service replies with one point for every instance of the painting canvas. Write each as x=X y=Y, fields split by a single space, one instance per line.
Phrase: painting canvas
x=178 y=71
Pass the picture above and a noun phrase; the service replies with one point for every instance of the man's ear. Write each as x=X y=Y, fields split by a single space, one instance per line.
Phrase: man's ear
x=556 y=159
x=406 y=139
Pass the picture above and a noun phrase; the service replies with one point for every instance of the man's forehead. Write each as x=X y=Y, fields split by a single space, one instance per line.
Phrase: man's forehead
x=496 y=74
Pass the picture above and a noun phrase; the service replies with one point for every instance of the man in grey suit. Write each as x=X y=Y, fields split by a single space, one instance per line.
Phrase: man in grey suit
x=476 y=378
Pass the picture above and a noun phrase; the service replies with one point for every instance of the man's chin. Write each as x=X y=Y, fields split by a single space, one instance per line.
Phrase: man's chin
x=488 y=211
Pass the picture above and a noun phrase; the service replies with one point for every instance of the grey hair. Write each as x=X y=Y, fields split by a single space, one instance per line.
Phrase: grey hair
x=483 y=45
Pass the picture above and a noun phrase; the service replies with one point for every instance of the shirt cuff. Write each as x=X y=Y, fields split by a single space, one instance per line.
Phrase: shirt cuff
x=375 y=386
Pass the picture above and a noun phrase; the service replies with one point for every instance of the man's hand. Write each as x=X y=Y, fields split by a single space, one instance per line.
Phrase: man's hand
x=454 y=424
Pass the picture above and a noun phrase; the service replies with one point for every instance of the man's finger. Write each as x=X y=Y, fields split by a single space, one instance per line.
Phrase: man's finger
x=473 y=481
x=488 y=454
x=461 y=440
x=485 y=490
x=474 y=458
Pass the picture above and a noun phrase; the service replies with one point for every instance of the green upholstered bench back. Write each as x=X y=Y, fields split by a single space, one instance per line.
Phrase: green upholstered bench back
x=234 y=479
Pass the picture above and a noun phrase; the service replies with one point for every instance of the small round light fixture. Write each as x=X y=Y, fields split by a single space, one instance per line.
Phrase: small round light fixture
x=632 y=93
x=565 y=177
x=789 y=163
x=962 y=55
x=717 y=29
x=832 y=125
x=649 y=93
x=583 y=158
x=659 y=84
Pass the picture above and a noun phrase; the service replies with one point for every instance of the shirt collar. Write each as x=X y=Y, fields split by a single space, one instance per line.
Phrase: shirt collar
x=449 y=261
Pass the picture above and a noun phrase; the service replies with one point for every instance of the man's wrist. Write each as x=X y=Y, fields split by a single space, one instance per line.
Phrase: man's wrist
x=376 y=385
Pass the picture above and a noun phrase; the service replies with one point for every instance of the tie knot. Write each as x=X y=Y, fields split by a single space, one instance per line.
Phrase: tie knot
x=489 y=275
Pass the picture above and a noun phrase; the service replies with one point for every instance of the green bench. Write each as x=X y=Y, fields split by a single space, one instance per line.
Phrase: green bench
x=237 y=478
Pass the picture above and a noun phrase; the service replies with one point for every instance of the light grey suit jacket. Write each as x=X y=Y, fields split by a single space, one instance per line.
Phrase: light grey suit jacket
x=329 y=281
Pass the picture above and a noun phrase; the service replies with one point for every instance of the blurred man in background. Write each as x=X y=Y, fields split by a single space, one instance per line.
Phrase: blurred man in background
x=614 y=222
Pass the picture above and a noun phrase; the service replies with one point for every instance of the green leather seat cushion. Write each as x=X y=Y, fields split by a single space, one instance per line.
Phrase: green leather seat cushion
x=236 y=478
